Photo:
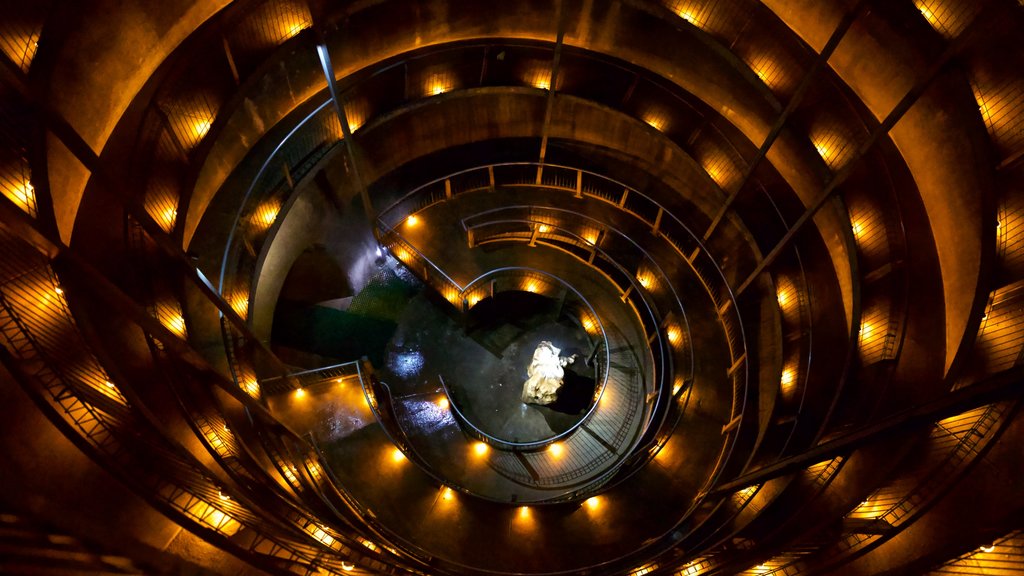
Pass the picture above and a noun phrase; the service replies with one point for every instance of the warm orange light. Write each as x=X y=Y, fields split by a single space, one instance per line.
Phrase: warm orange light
x=783 y=298
x=675 y=335
x=556 y=450
x=201 y=127
x=655 y=120
x=438 y=84
x=299 y=392
x=397 y=455
x=167 y=218
x=474 y=299
x=589 y=324
x=543 y=229
x=109 y=384
x=677 y=386
x=866 y=329
x=447 y=494
x=524 y=512
x=442 y=403
x=240 y=304
x=687 y=12
x=223 y=496
x=24 y=195
x=593 y=502
x=412 y=221
x=645 y=279
x=540 y=78
x=716 y=174
x=480 y=448
x=176 y=324
x=590 y=237
x=788 y=378
x=858 y=229
x=348 y=566
x=294 y=29
x=532 y=287
x=268 y=214
x=251 y=387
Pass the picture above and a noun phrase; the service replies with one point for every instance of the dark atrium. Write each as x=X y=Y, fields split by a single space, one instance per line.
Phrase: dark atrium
x=533 y=287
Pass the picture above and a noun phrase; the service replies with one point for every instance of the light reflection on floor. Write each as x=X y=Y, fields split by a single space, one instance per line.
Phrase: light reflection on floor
x=332 y=411
x=406 y=364
x=426 y=417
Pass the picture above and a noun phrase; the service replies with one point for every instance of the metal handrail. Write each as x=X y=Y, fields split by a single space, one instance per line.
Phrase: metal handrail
x=664 y=357
x=537 y=444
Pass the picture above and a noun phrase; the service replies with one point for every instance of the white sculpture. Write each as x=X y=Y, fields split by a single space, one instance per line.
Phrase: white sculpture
x=545 y=374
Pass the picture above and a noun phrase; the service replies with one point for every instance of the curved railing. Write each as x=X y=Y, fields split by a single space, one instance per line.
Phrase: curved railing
x=652 y=320
x=587 y=184
x=588 y=317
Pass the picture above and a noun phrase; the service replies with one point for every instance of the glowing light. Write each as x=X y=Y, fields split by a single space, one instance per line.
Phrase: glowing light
x=556 y=450
x=688 y=13
x=403 y=254
x=412 y=221
x=677 y=386
x=524 y=512
x=716 y=174
x=24 y=196
x=348 y=566
x=675 y=335
x=543 y=229
x=176 y=324
x=532 y=287
x=438 y=84
x=645 y=279
x=589 y=325
x=167 y=218
x=783 y=297
x=540 y=77
x=480 y=448
x=447 y=494
x=299 y=392
x=788 y=380
x=655 y=120
x=294 y=29
x=251 y=387
x=58 y=290
x=397 y=455
x=222 y=495
x=474 y=299
x=933 y=20
x=593 y=502
x=858 y=229
x=823 y=150
x=866 y=329
x=268 y=214
x=590 y=237
x=442 y=403
x=109 y=384
x=988 y=548
x=240 y=304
